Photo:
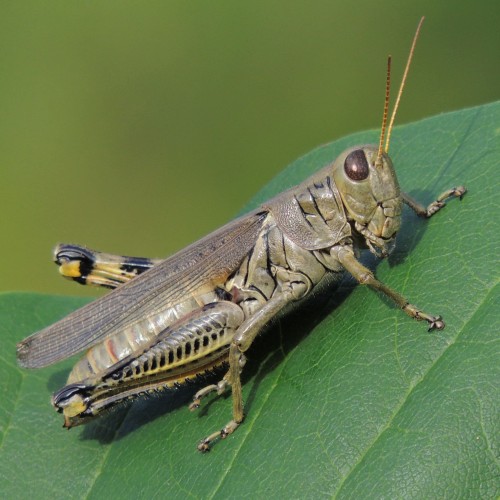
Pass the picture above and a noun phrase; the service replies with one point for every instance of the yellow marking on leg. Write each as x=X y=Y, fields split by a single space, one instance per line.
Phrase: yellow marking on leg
x=70 y=269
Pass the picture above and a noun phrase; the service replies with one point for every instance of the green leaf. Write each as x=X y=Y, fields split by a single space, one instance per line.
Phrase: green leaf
x=346 y=397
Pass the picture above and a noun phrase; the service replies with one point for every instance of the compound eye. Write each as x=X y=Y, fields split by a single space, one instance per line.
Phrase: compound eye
x=356 y=165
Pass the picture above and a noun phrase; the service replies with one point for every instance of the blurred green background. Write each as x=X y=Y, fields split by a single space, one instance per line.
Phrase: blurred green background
x=138 y=127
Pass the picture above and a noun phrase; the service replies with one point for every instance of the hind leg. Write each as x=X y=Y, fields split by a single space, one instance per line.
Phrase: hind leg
x=89 y=267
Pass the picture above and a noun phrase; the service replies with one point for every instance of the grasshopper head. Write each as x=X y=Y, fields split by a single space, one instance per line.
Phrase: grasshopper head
x=367 y=181
x=371 y=196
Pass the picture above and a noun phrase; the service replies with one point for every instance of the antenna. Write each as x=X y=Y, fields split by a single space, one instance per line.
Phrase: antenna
x=378 y=161
x=403 y=81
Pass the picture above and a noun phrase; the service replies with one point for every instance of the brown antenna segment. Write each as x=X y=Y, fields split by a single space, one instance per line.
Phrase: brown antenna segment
x=378 y=161
x=403 y=81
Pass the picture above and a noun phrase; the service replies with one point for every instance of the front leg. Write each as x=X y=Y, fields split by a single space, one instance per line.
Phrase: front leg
x=364 y=276
x=436 y=205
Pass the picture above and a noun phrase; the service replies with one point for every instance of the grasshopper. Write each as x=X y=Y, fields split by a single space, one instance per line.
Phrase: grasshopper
x=170 y=321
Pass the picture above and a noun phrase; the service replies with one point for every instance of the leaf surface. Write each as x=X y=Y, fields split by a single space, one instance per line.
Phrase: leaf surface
x=346 y=397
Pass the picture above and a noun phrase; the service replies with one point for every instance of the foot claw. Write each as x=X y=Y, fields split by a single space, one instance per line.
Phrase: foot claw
x=203 y=446
x=436 y=323
x=460 y=192
x=201 y=394
x=195 y=405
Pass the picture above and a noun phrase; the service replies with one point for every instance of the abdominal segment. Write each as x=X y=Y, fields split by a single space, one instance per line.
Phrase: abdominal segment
x=135 y=338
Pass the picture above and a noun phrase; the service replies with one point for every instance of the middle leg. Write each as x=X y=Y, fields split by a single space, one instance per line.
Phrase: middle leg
x=292 y=286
